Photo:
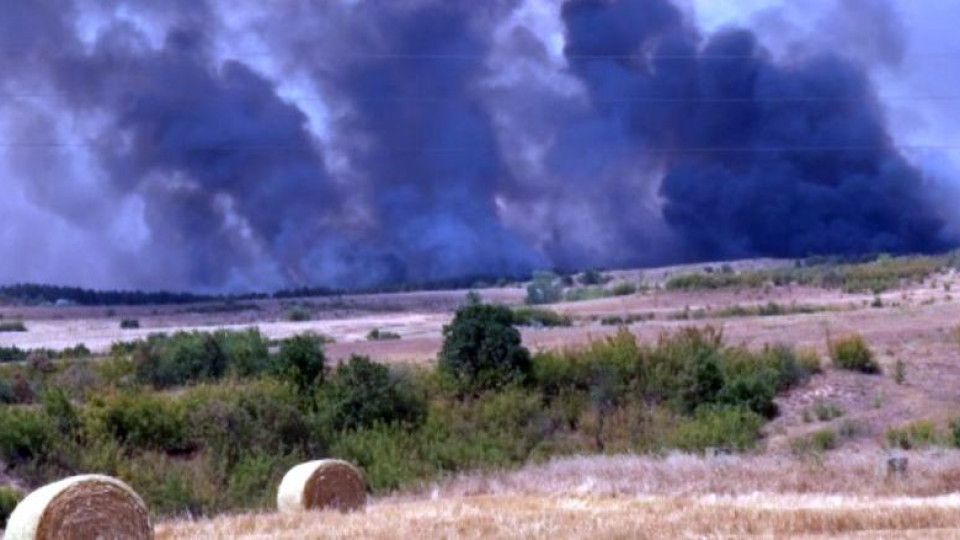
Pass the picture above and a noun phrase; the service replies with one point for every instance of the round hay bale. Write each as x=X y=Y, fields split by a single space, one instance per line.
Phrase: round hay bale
x=81 y=507
x=322 y=484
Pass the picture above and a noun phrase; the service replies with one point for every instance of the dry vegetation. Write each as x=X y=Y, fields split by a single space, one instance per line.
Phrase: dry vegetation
x=636 y=497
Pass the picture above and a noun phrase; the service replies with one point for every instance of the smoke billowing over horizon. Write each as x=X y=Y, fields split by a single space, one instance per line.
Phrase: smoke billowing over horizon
x=218 y=146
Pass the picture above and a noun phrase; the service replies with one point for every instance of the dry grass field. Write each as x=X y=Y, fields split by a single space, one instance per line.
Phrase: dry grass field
x=636 y=497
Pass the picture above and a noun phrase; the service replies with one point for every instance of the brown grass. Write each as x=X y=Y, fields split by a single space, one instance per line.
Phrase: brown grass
x=642 y=497
x=582 y=516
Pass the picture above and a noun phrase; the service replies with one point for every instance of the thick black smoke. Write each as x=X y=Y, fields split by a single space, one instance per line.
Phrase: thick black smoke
x=758 y=158
x=224 y=145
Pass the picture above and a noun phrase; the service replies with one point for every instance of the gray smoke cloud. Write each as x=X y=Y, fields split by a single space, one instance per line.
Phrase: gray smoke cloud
x=229 y=146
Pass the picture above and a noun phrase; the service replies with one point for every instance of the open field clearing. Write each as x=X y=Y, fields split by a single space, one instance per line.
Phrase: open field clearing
x=632 y=497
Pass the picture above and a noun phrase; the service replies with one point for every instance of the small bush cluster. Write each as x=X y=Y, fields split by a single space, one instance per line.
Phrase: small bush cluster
x=298 y=314
x=822 y=411
x=916 y=435
x=624 y=288
x=816 y=444
x=545 y=288
x=853 y=354
x=9 y=498
x=382 y=335
x=12 y=326
x=527 y=316
x=626 y=320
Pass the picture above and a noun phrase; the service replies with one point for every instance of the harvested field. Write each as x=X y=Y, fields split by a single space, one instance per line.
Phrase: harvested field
x=634 y=497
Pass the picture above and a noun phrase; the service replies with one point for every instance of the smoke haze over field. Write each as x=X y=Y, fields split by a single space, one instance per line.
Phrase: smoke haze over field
x=220 y=146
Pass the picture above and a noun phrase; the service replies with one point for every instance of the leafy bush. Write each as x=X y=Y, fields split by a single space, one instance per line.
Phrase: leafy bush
x=179 y=359
x=12 y=326
x=246 y=352
x=527 y=316
x=955 y=432
x=362 y=393
x=25 y=435
x=592 y=277
x=301 y=363
x=9 y=498
x=12 y=354
x=482 y=350
x=852 y=353
x=544 y=289
x=130 y=324
x=915 y=435
x=139 y=422
x=755 y=391
x=622 y=320
x=825 y=412
x=299 y=314
x=581 y=294
x=381 y=335
x=732 y=428
x=816 y=443
x=624 y=289
x=260 y=418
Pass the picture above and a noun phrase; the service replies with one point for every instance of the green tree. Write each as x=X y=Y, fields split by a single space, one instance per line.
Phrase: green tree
x=362 y=393
x=544 y=289
x=301 y=363
x=482 y=350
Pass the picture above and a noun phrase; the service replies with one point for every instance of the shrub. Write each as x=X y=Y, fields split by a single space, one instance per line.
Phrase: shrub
x=12 y=354
x=915 y=435
x=582 y=294
x=40 y=363
x=260 y=418
x=899 y=372
x=130 y=324
x=816 y=443
x=592 y=277
x=9 y=498
x=381 y=335
x=826 y=411
x=624 y=289
x=26 y=435
x=482 y=350
x=246 y=352
x=362 y=393
x=179 y=359
x=301 y=363
x=12 y=326
x=955 y=432
x=77 y=351
x=544 y=289
x=139 y=422
x=540 y=317
x=754 y=391
x=298 y=314
x=6 y=393
x=851 y=353
x=732 y=428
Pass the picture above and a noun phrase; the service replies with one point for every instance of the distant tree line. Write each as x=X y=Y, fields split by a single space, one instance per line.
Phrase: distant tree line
x=25 y=293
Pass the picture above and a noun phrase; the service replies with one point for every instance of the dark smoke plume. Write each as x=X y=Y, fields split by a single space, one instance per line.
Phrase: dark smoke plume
x=222 y=145
x=758 y=158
